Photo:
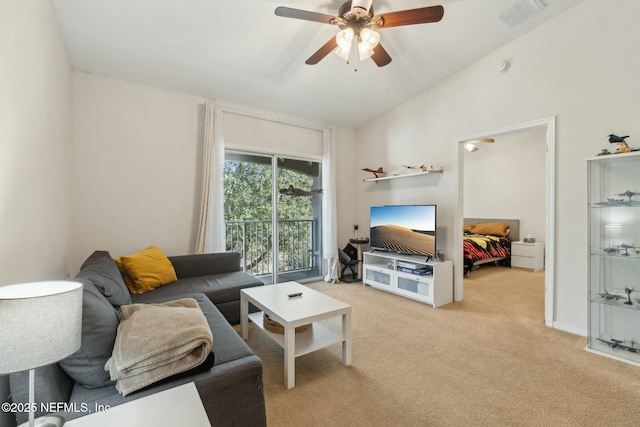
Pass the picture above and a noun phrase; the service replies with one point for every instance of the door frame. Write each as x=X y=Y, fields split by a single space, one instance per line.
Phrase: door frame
x=549 y=124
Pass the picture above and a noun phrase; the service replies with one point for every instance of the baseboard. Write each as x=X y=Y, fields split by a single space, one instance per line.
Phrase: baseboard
x=570 y=328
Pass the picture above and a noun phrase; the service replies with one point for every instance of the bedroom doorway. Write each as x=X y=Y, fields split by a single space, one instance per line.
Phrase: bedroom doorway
x=545 y=230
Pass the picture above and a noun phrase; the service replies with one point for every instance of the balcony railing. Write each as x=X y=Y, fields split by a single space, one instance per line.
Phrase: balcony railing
x=297 y=246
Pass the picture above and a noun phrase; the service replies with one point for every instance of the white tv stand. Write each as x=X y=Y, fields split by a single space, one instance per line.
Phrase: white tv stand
x=381 y=271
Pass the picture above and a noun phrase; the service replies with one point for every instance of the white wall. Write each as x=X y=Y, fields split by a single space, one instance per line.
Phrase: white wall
x=35 y=144
x=347 y=177
x=582 y=67
x=507 y=179
x=35 y=148
x=137 y=167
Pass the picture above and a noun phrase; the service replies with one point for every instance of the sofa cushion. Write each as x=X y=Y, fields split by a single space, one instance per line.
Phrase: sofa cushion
x=99 y=325
x=103 y=272
x=147 y=269
x=205 y=264
x=220 y=288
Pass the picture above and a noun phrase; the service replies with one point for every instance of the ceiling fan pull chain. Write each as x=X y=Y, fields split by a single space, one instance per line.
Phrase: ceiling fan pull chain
x=354 y=51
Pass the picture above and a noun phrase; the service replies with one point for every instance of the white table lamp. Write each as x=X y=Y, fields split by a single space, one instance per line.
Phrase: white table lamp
x=41 y=324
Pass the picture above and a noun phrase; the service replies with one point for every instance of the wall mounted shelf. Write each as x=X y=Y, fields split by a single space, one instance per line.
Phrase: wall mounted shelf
x=405 y=175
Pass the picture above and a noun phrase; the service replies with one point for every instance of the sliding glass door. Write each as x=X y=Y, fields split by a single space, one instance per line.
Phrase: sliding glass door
x=272 y=211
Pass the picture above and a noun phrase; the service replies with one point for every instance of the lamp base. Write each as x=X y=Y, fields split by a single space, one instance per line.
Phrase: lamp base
x=46 y=421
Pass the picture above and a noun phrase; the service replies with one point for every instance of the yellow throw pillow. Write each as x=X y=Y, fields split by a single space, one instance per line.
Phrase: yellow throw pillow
x=146 y=270
x=127 y=280
x=468 y=228
x=492 y=229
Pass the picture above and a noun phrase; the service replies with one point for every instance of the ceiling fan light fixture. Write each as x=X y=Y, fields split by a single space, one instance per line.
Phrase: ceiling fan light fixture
x=359 y=15
x=369 y=38
x=364 y=52
x=343 y=52
x=345 y=37
x=344 y=40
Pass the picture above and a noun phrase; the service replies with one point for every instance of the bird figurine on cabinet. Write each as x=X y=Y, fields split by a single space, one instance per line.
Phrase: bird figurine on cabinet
x=622 y=144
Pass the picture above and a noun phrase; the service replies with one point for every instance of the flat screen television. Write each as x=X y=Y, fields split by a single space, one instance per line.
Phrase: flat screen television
x=406 y=229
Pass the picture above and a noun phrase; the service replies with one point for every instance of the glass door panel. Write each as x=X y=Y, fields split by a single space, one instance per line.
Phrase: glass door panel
x=248 y=211
x=299 y=212
x=260 y=189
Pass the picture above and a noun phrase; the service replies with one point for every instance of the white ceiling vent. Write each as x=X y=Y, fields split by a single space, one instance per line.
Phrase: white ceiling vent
x=520 y=12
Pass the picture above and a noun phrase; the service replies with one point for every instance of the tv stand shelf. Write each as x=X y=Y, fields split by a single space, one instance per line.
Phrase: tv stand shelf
x=382 y=270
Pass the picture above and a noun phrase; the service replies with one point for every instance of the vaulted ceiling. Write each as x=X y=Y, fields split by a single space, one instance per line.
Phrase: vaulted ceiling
x=240 y=52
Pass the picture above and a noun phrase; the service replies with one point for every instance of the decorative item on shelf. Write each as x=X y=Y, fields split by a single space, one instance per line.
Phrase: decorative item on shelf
x=628 y=291
x=376 y=172
x=275 y=327
x=402 y=173
x=621 y=344
x=620 y=140
x=621 y=202
x=408 y=169
x=441 y=255
x=41 y=324
x=608 y=296
x=529 y=239
x=622 y=146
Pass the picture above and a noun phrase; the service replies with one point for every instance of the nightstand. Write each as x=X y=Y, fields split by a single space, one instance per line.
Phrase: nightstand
x=527 y=255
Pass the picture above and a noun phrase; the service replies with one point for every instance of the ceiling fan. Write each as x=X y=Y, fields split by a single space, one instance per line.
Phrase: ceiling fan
x=356 y=21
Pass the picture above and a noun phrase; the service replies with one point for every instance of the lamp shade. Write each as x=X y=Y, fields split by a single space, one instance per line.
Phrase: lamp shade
x=41 y=323
x=344 y=40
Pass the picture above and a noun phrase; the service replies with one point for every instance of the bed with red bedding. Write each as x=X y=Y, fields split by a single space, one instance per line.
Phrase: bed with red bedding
x=488 y=241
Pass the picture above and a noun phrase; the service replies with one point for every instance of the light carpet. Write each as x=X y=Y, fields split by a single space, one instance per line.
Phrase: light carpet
x=486 y=361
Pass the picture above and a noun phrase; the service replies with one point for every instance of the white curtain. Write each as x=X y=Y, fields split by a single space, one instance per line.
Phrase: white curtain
x=329 y=215
x=211 y=233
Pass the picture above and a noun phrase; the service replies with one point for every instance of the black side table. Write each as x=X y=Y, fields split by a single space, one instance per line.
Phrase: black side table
x=358 y=241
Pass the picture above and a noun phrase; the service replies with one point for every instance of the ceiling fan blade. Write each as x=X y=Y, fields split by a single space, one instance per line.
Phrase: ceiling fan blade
x=380 y=56
x=422 y=15
x=322 y=52
x=288 y=12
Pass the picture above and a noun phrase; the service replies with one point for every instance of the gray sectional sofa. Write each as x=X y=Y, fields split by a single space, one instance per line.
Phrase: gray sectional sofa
x=229 y=383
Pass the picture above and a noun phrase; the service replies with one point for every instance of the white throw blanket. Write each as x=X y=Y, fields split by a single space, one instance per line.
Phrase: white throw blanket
x=155 y=341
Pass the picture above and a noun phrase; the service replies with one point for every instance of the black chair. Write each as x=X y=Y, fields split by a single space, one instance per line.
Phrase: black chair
x=349 y=260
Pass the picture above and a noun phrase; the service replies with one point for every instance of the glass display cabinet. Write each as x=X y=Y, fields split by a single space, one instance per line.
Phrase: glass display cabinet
x=614 y=256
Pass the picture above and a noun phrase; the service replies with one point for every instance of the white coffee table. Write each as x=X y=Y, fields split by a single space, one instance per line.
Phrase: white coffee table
x=292 y=312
